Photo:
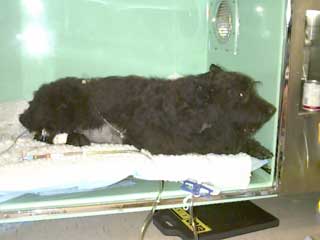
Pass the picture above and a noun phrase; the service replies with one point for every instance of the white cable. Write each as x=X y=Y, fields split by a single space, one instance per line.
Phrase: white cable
x=14 y=142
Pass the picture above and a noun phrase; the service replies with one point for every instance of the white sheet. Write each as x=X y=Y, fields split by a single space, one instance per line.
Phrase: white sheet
x=86 y=171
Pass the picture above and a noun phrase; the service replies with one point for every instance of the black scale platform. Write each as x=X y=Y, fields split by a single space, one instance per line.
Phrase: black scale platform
x=218 y=221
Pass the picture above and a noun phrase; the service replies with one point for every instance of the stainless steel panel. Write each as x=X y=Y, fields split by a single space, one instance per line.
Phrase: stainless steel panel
x=44 y=213
x=312 y=45
x=300 y=166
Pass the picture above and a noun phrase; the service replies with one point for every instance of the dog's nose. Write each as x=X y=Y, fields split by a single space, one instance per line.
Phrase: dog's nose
x=271 y=110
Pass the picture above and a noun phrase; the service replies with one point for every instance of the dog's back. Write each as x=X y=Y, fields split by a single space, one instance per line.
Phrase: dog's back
x=217 y=111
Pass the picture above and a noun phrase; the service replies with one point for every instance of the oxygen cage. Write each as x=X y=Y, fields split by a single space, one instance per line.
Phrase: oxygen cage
x=43 y=40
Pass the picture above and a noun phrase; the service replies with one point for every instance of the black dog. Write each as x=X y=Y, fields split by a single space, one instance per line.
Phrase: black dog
x=214 y=112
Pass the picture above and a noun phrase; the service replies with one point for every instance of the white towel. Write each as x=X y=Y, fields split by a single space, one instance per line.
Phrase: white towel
x=223 y=171
x=93 y=171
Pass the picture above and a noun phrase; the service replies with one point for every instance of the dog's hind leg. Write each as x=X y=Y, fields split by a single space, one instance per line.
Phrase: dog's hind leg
x=255 y=149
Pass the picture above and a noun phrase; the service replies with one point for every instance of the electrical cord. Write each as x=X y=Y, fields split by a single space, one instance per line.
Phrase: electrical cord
x=149 y=217
x=192 y=220
x=188 y=206
x=14 y=142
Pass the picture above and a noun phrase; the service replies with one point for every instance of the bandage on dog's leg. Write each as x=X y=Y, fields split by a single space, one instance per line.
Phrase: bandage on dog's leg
x=44 y=137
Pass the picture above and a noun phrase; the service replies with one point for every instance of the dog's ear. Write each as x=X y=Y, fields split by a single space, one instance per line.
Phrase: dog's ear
x=214 y=69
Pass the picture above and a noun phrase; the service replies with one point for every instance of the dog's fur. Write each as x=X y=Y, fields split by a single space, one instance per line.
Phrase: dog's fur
x=213 y=112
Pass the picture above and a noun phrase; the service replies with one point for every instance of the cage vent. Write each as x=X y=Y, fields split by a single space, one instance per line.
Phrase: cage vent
x=223 y=21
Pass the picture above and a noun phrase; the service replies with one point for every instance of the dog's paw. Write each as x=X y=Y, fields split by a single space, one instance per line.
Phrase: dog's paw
x=255 y=149
x=77 y=139
x=261 y=153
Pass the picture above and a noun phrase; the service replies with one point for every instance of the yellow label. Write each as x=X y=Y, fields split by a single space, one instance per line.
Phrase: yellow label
x=184 y=217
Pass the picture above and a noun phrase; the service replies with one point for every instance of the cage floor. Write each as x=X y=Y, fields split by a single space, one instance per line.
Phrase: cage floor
x=136 y=190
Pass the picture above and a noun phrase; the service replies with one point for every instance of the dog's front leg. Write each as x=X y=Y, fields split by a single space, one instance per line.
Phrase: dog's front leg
x=255 y=149
x=77 y=139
